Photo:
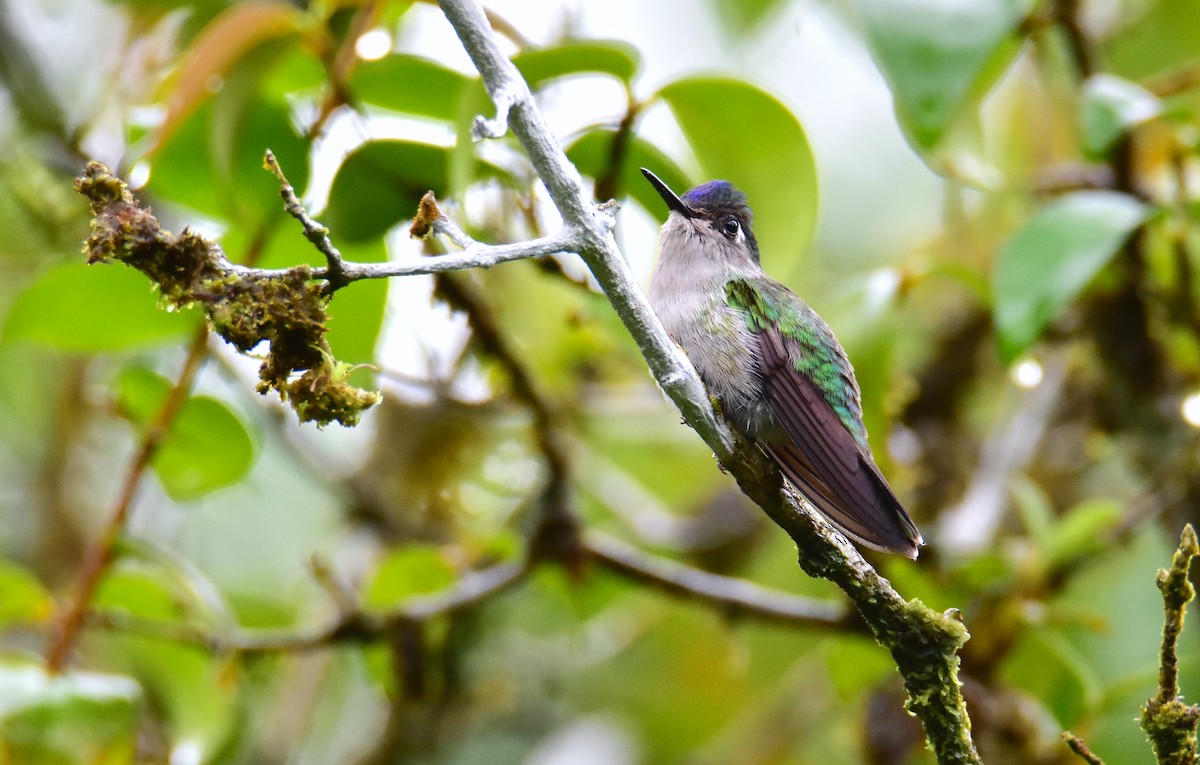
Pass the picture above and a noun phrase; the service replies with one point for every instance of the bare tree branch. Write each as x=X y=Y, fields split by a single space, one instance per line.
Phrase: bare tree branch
x=736 y=597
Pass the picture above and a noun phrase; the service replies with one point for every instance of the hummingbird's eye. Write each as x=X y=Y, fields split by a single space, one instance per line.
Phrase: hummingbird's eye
x=731 y=227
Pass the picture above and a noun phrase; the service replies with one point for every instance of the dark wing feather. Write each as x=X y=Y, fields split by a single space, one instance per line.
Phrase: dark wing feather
x=823 y=460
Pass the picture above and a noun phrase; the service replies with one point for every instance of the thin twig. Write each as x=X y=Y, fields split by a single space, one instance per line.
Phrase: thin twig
x=1080 y=748
x=335 y=273
x=100 y=554
x=476 y=256
x=1174 y=81
x=353 y=627
x=736 y=597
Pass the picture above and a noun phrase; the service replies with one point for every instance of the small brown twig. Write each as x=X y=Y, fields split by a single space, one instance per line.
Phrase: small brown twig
x=100 y=553
x=1066 y=15
x=608 y=182
x=1081 y=749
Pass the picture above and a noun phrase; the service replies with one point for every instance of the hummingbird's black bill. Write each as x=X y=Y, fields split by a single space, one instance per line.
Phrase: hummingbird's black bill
x=673 y=201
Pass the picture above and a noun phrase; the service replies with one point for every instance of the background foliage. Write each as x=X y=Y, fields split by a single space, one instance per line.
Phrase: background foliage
x=1015 y=282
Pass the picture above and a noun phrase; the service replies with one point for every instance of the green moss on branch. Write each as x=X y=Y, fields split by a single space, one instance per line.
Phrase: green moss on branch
x=1168 y=721
x=284 y=309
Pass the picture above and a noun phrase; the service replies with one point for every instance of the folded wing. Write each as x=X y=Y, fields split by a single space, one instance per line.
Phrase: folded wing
x=825 y=462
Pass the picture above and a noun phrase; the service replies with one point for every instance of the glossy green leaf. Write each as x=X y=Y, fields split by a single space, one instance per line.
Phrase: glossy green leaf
x=591 y=153
x=412 y=570
x=937 y=54
x=380 y=184
x=1048 y=262
x=745 y=135
x=103 y=307
x=540 y=65
x=207 y=446
x=23 y=599
x=410 y=84
x=66 y=718
x=1109 y=107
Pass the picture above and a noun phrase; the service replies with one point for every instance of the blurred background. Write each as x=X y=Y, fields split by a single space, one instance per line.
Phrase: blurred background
x=992 y=202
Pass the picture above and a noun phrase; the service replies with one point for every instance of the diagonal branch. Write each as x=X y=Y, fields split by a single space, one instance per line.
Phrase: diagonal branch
x=100 y=554
x=923 y=642
x=735 y=597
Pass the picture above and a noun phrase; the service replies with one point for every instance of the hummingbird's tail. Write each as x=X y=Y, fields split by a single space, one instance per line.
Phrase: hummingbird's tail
x=879 y=521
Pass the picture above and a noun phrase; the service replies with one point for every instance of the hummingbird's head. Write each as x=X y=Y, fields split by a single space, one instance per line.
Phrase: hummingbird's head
x=714 y=212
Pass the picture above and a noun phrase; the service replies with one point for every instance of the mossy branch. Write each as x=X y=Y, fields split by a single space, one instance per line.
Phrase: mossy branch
x=244 y=306
x=923 y=642
x=1168 y=721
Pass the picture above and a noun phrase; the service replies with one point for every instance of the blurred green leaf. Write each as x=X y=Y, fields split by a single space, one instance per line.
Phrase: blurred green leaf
x=381 y=182
x=23 y=599
x=591 y=153
x=410 y=84
x=415 y=569
x=1159 y=37
x=1082 y=532
x=856 y=664
x=76 y=717
x=356 y=314
x=745 y=135
x=937 y=54
x=1083 y=667
x=742 y=17
x=206 y=448
x=217 y=50
x=213 y=162
x=540 y=65
x=138 y=591
x=109 y=307
x=1108 y=108
x=564 y=342
x=1048 y=262
x=1043 y=663
x=1036 y=512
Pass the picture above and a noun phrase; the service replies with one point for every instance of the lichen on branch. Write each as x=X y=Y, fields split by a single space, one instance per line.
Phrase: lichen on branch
x=1168 y=721
x=285 y=309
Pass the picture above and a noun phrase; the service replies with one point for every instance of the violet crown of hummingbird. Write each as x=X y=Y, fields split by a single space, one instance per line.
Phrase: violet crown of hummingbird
x=781 y=377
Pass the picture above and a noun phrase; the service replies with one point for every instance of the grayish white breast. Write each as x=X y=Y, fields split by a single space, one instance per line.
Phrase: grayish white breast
x=687 y=292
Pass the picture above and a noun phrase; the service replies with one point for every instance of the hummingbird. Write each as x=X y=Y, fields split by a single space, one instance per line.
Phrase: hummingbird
x=780 y=376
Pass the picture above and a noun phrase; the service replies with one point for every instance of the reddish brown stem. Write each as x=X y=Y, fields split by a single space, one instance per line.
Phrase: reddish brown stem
x=100 y=554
